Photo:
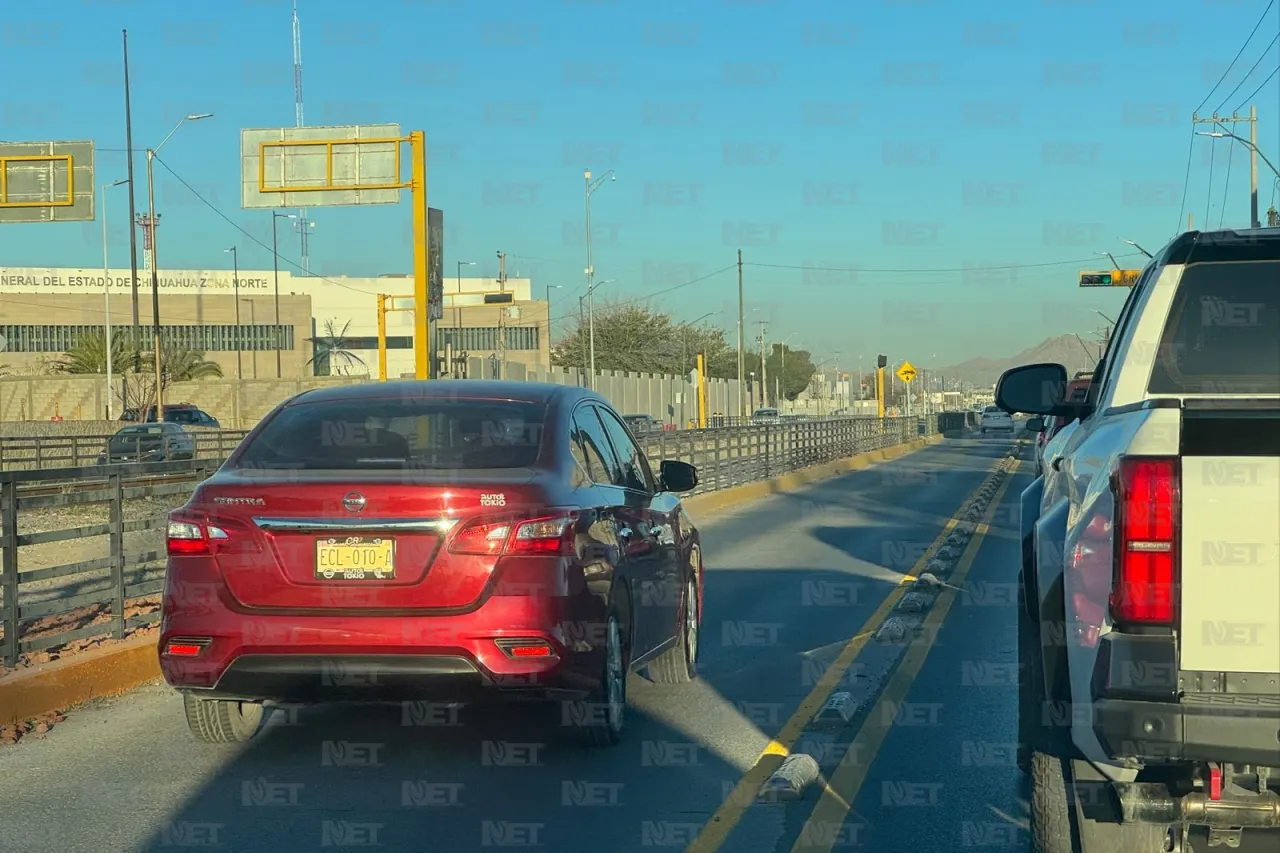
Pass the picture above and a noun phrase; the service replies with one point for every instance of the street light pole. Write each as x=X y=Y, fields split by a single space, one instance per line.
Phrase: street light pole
x=155 y=275
x=106 y=295
x=550 y=287
x=457 y=318
x=591 y=187
x=276 y=216
x=235 y=284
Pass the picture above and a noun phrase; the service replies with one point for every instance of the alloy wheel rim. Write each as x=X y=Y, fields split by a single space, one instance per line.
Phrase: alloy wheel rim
x=614 y=676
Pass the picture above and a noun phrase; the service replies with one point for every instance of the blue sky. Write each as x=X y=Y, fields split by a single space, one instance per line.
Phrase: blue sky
x=908 y=140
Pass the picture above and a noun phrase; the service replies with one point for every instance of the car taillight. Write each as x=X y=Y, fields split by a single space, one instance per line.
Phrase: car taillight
x=546 y=536
x=187 y=537
x=1147 y=527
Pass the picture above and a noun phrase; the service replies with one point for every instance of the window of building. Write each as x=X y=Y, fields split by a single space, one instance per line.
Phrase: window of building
x=32 y=338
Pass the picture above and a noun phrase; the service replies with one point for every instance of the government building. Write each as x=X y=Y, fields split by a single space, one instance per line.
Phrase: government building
x=326 y=325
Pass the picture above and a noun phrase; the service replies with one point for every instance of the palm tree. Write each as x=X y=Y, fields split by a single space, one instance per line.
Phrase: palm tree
x=331 y=347
x=89 y=354
x=180 y=364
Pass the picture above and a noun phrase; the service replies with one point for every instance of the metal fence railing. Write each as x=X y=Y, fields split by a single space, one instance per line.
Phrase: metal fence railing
x=77 y=451
x=82 y=550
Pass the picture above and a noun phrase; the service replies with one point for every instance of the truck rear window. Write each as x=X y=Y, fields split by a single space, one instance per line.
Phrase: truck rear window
x=1223 y=333
x=380 y=434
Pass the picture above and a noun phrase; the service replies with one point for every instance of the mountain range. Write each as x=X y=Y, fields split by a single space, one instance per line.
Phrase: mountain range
x=1066 y=350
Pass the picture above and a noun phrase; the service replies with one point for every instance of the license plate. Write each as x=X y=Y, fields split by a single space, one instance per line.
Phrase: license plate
x=356 y=558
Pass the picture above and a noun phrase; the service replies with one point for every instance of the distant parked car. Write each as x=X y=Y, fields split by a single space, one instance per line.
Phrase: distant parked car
x=148 y=443
x=765 y=416
x=642 y=424
x=175 y=413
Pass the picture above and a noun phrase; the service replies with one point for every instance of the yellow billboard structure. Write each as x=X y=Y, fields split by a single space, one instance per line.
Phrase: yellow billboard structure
x=46 y=182
x=292 y=167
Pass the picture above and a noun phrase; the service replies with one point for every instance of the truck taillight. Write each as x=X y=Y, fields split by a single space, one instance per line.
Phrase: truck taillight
x=1147 y=529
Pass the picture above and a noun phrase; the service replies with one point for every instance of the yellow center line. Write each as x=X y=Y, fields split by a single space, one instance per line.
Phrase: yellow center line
x=743 y=796
x=821 y=831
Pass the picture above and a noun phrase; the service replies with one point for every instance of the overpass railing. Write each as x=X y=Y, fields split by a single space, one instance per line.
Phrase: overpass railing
x=82 y=550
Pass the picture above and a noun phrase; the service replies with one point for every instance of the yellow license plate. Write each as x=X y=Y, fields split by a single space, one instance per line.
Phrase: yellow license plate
x=356 y=558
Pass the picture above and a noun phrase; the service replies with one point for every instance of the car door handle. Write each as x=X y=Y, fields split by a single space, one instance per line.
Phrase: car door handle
x=1057 y=464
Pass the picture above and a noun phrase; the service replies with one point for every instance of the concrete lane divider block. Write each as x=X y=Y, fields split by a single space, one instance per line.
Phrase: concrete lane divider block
x=928 y=580
x=938 y=567
x=837 y=711
x=914 y=602
x=894 y=630
x=789 y=782
x=948 y=552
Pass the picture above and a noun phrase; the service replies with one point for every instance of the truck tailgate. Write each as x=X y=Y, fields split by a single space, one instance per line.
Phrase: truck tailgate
x=1230 y=564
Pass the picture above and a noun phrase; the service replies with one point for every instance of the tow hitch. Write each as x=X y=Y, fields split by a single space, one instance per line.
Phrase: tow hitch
x=1151 y=802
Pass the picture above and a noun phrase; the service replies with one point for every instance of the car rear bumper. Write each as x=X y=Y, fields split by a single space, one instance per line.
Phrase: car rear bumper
x=1239 y=732
x=290 y=658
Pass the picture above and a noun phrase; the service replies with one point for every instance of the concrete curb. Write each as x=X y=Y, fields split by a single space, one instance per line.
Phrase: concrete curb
x=70 y=681
x=116 y=669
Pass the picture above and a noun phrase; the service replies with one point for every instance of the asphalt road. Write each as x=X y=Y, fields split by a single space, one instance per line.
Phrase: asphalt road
x=790 y=580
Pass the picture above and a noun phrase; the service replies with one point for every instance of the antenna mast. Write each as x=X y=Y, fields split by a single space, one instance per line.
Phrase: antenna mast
x=302 y=223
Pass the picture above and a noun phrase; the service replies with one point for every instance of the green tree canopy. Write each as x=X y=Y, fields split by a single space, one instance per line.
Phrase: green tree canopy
x=633 y=338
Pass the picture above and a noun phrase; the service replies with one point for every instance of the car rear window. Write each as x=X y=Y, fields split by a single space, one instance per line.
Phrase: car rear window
x=1223 y=332
x=398 y=433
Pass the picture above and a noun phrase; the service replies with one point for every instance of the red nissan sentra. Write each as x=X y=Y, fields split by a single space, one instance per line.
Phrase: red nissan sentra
x=443 y=541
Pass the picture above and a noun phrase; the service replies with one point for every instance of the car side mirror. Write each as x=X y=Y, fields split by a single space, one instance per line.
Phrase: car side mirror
x=1033 y=389
x=676 y=476
x=1035 y=424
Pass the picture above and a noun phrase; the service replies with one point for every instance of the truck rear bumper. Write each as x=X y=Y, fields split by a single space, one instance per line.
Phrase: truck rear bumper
x=1235 y=732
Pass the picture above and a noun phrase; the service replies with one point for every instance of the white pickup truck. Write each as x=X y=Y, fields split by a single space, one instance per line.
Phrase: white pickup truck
x=1149 y=618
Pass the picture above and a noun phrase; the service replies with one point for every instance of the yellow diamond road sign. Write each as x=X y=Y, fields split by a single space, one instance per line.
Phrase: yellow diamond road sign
x=907 y=372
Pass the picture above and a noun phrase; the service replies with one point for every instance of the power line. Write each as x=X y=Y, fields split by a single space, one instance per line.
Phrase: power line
x=1259 y=89
x=1186 y=181
x=1249 y=73
x=1252 y=33
x=1075 y=262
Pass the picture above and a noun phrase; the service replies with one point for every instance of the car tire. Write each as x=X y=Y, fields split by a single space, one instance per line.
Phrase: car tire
x=222 y=720
x=1057 y=823
x=679 y=664
x=610 y=695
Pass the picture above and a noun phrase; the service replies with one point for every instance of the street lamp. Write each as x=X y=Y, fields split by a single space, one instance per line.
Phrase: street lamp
x=155 y=275
x=276 y=216
x=457 y=320
x=106 y=291
x=235 y=283
x=591 y=187
x=1226 y=134
x=1136 y=246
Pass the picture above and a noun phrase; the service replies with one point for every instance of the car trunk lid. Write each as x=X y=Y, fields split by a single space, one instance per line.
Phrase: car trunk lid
x=316 y=541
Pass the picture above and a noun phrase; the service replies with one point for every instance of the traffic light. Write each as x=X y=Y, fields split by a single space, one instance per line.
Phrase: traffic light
x=1109 y=278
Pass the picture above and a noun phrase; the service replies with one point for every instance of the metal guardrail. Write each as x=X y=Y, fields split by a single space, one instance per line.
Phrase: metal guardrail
x=82 y=550
x=76 y=451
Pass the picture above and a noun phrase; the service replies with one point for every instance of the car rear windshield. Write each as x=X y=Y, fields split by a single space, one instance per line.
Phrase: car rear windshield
x=132 y=436
x=383 y=434
x=1223 y=332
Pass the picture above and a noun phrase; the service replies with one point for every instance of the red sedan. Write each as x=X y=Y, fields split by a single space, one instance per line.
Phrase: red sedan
x=444 y=541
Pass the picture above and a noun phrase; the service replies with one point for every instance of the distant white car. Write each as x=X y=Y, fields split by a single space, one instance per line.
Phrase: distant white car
x=994 y=420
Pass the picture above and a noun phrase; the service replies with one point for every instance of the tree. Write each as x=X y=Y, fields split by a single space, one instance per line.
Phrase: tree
x=638 y=339
x=88 y=355
x=332 y=352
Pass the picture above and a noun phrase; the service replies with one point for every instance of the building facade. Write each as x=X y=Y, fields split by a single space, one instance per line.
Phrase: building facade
x=326 y=325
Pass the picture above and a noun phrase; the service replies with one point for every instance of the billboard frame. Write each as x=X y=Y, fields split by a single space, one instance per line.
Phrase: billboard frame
x=258 y=191
x=76 y=202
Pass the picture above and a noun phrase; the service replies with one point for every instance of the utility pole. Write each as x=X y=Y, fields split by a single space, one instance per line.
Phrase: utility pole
x=1252 y=119
x=133 y=215
x=742 y=356
x=764 y=370
x=502 y=316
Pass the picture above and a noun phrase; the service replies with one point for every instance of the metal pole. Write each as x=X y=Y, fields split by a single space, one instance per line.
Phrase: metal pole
x=549 y=332
x=581 y=323
x=422 y=351
x=591 y=302
x=155 y=287
x=742 y=358
x=133 y=234
x=1253 y=167
x=106 y=295
x=235 y=284
x=275 y=260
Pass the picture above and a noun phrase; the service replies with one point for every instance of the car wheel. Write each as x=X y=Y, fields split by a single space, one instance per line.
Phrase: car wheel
x=222 y=720
x=679 y=664
x=599 y=720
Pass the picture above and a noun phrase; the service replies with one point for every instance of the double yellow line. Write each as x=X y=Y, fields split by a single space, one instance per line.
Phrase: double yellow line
x=842 y=787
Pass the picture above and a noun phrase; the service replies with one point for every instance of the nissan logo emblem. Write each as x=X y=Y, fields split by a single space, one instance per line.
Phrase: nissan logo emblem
x=354 y=502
